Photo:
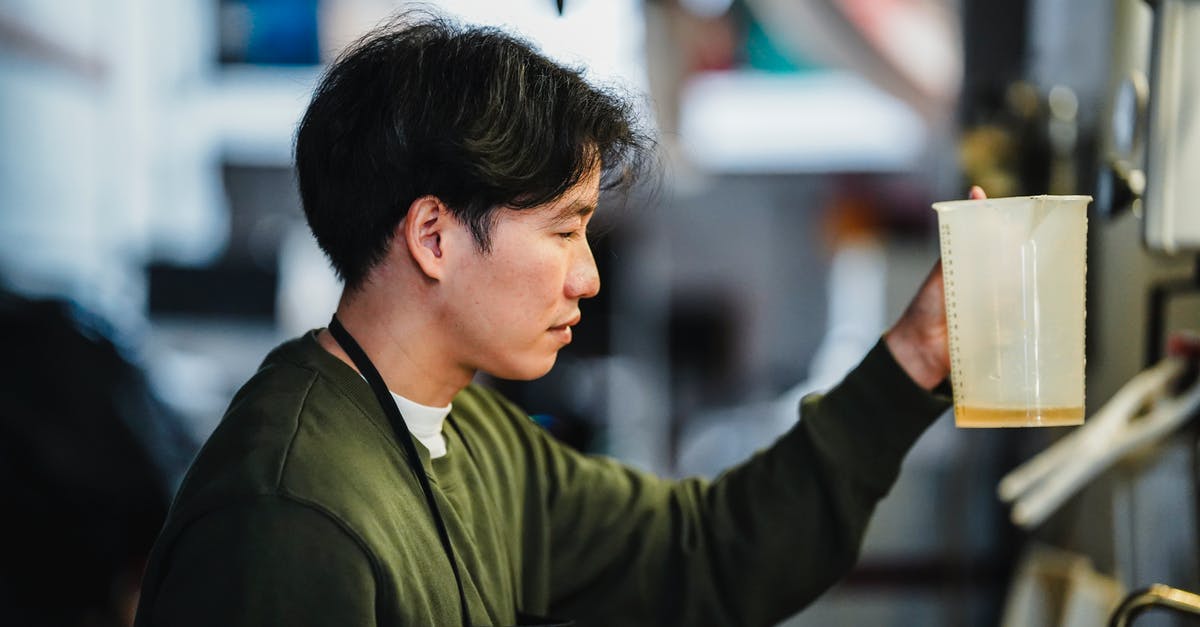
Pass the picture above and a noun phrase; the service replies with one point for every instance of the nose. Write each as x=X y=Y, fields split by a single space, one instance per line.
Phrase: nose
x=583 y=279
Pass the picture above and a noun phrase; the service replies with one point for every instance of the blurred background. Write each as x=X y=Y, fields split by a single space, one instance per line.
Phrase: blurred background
x=152 y=250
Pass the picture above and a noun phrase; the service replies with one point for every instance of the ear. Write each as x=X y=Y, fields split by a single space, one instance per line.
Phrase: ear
x=424 y=231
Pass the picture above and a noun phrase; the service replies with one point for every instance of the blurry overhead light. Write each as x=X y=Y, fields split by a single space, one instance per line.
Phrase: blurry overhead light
x=742 y=122
x=910 y=48
x=707 y=8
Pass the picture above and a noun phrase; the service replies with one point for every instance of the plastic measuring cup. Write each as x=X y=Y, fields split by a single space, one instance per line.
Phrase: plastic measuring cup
x=1014 y=281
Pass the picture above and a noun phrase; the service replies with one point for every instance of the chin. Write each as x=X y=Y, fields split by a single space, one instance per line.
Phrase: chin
x=527 y=370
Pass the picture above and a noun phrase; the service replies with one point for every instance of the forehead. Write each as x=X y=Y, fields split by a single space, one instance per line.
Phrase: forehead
x=586 y=191
x=580 y=200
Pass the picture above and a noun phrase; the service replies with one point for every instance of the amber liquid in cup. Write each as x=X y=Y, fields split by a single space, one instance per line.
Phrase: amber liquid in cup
x=976 y=417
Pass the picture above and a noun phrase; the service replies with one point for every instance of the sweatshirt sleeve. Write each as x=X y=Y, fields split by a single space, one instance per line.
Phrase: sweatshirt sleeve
x=755 y=545
x=270 y=562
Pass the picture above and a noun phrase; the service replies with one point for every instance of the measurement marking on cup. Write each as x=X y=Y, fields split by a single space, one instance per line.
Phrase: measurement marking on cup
x=957 y=380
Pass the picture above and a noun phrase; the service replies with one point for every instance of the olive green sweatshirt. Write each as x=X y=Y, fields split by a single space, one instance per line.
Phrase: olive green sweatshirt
x=302 y=510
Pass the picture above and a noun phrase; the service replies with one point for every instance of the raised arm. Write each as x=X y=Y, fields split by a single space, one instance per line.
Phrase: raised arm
x=750 y=548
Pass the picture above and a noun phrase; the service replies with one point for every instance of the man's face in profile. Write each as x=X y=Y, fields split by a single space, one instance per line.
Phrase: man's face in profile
x=513 y=307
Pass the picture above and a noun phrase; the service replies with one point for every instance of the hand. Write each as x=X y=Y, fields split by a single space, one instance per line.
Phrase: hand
x=1185 y=344
x=919 y=340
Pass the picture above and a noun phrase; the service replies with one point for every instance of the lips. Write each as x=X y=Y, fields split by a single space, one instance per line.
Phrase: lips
x=574 y=320
x=563 y=331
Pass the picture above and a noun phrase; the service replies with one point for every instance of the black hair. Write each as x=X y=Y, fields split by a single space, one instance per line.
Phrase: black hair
x=471 y=115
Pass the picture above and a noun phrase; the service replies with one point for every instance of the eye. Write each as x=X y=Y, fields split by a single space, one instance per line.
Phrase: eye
x=569 y=235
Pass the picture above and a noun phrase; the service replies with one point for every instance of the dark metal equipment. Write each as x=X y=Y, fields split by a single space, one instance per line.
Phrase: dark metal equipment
x=1157 y=595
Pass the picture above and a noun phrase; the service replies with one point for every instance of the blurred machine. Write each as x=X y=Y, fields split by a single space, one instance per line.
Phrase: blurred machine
x=1173 y=143
x=1152 y=140
x=1137 y=522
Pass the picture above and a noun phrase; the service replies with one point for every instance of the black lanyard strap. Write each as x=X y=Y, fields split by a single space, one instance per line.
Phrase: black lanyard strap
x=384 y=396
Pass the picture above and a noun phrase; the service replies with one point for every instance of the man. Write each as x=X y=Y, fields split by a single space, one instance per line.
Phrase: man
x=359 y=478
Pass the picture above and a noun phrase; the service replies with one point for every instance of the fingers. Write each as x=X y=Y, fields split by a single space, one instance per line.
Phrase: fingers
x=1185 y=344
x=977 y=193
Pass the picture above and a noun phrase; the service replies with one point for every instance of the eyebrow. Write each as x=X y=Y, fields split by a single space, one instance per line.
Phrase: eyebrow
x=577 y=208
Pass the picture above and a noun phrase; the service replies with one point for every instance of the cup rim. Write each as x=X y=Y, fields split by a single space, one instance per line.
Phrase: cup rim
x=946 y=205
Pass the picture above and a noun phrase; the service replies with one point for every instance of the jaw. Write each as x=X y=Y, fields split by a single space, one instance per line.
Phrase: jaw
x=526 y=367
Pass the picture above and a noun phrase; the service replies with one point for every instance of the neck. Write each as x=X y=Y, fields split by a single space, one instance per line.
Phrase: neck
x=405 y=347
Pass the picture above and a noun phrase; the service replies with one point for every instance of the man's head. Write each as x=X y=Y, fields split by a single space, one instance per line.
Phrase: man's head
x=471 y=117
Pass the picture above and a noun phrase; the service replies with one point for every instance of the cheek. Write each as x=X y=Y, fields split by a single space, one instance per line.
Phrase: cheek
x=532 y=289
x=535 y=271
x=518 y=292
